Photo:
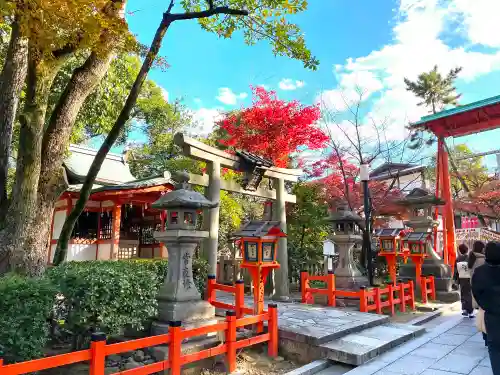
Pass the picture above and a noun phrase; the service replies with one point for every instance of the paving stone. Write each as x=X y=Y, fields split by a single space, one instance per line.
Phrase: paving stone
x=482 y=370
x=450 y=339
x=478 y=337
x=432 y=350
x=368 y=368
x=463 y=330
x=430 y=371
x=485 y=362
x=410 y=365
x=459 y=363
x=474 y=349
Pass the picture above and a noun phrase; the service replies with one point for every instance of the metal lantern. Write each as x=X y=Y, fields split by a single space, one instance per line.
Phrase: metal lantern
x=253 y=168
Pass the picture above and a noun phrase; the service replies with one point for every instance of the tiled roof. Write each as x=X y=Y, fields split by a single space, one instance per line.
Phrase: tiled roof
x=114 y=170
x=137 y=184
x=256 y=228
x=255 y=159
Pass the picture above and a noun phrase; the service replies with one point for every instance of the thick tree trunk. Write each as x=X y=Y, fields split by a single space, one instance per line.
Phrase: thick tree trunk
x=11 y=83
x=62 y=243
x=21 y=214
x=53 y=181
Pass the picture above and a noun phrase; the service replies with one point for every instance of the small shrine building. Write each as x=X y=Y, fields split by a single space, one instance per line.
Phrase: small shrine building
x=118 y=221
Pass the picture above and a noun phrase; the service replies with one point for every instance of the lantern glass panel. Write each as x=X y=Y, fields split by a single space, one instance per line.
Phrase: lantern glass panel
x=189 y=218
x=268 y=251
x=415 y=248
x=251 y=251
x=387 y=245
x=174 y=217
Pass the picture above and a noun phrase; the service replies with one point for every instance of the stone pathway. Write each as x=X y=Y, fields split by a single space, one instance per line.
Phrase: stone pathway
x=454 y=347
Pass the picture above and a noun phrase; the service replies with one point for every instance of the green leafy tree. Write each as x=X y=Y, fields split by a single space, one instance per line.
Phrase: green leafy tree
x=306 y=227
x=435 y=90
x=257 y=20
x=470 y=168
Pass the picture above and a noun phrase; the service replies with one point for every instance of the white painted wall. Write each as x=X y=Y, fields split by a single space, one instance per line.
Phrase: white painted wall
x=59 y=218
x=104 y=251
x=79 y=252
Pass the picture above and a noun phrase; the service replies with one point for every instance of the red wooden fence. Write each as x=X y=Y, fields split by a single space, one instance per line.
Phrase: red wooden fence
x=428 y=288
x=98 y=351
x=237 y=289
x=374 y=299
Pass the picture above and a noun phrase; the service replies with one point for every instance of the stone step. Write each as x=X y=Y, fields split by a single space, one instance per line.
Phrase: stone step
x=358 y=348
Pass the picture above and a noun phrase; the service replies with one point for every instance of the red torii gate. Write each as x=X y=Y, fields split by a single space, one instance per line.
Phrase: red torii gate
x=472 y=118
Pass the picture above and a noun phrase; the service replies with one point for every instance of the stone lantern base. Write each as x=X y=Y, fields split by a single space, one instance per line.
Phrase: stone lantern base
x=192 y=314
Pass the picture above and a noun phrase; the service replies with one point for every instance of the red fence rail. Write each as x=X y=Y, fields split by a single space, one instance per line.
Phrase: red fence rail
x=374 y=299
x=98 y=351
x=238 y=289
x=428 y=288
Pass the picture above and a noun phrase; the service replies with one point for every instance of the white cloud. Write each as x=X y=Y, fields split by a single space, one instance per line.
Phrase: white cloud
x=228 y=97
x=419 y=42
x=164 y=93
x=290 y=84
x=204 y=120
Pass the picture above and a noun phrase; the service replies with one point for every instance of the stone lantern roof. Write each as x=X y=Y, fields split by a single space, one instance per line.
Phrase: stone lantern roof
x=183 y=197
x=420 y=197
x=344 y=215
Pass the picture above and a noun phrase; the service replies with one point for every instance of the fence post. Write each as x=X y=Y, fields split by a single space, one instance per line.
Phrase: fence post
x=174 y=349
x=363 y=299
x=210 y=297
x=391 y=298
x=378 y=301
x=231 y=341
x=402 y=297
x=433 y=288
x=423 y=288
x=239 y=297
x=98 y=353
x=272 y=346
x=330 y=285
x=304 y=285
x=412 y=294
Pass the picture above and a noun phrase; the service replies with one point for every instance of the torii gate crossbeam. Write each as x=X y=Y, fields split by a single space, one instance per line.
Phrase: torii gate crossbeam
x=216 y=159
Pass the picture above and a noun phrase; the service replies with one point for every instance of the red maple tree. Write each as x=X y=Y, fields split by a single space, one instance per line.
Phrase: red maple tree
x=272 y=128
x=338 y=180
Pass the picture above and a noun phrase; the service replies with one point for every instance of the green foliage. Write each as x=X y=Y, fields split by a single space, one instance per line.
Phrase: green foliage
x=104 y=296
x=472 y=170
x=267 y=19
x=436 y=91
x=160 y=267
x=306 y=228
x=25 y=306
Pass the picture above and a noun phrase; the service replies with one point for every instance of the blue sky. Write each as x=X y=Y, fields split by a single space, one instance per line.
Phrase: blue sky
x=368 y=45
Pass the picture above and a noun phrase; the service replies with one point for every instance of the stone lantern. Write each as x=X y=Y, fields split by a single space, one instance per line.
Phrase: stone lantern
x=178 y=298
x=346 y=234
x=421 y=204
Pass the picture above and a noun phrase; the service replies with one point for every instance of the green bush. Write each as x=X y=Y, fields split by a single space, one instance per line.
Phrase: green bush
x=160 y=267
x=25 y=306
x=104 y=296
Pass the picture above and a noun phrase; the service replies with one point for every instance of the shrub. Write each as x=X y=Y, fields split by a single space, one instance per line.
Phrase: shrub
x=160 y=268
x=104 y=296
x=25 y=306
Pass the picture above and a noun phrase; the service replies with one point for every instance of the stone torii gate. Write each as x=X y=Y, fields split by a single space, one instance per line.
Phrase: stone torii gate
x=217 y=159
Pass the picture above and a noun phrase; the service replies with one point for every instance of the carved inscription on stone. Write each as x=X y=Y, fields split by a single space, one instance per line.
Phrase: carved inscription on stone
x=186 y=280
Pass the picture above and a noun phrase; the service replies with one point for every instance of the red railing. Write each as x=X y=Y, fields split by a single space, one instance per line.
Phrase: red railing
x=238 y=290
x=374 y=299
x=428 y=288
x=98 y=351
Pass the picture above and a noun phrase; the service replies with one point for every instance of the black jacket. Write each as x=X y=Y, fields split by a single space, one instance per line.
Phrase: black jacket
x=460 y=258
x=486 y=291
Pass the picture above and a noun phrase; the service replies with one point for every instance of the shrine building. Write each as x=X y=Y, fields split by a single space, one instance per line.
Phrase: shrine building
x=118 y=221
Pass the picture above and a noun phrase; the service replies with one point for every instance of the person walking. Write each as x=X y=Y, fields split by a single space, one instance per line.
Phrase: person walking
x=486 y=292
x=476 y=259
x=462 y=273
